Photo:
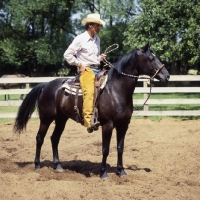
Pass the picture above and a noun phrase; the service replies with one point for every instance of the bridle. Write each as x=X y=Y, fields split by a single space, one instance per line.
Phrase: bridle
x=129 y=75
x=151 y=79
x=157 y=71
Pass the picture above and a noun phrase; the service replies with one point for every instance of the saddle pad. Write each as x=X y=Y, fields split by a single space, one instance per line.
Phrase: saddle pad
x=72 y=89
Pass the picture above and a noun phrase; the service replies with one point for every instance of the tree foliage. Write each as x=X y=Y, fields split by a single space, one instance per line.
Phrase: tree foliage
x=35 y=34
x=173 y=28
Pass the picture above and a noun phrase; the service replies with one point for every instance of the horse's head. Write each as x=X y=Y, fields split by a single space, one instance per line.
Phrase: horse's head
x=149 y=64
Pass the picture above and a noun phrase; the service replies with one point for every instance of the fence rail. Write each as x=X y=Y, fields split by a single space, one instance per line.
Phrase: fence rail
x=144 y=90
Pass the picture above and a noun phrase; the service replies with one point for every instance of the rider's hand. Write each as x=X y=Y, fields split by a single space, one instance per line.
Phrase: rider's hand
x=102 y=57
x=81 y=69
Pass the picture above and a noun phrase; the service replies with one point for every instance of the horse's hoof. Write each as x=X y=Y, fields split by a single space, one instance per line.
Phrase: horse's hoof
x=122 y=173
x=37 y=168
x=104 y=176
x=59 y=168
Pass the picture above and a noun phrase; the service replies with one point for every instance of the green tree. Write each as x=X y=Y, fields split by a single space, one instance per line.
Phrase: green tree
x=35 y=33
x=173 y=28
x=117 y=15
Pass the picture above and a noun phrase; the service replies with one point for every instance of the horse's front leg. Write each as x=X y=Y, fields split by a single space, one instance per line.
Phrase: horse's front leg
x=106 y=137
x=55 y=138
x=121 y=132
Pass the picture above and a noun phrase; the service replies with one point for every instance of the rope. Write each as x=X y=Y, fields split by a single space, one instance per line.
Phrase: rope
x=106 y=51
x=107 y=63
x=140 y=108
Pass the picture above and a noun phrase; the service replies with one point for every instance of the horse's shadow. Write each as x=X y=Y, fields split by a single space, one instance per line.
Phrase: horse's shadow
x=83 y=167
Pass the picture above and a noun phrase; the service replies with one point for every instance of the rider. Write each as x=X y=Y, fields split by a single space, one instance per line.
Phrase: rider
x=84 y=52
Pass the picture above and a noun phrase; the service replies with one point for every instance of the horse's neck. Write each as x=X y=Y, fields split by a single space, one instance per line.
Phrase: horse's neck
x=123 y=86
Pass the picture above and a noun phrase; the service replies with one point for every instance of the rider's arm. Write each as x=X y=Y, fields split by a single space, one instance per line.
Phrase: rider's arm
x=72 y=50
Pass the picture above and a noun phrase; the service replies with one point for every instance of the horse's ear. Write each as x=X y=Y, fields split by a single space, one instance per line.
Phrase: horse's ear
x=146 y=47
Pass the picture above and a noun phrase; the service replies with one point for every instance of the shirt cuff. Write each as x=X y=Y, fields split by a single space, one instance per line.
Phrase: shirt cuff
x=77 y=63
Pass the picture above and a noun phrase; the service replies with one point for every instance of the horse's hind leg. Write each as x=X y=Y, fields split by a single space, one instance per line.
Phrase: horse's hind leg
x=121 y=132
x=55 y=138
x=39 y=141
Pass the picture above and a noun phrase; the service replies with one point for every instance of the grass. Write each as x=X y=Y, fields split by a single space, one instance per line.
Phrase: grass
x=170 y=106
x=169 y=96
x=12 y=97
x=7 y=109
x=159 y=118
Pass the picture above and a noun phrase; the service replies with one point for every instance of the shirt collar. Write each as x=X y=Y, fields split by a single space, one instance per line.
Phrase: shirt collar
x=88 y=37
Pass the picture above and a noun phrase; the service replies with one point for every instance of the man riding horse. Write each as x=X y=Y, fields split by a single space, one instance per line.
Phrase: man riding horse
x=84 y=52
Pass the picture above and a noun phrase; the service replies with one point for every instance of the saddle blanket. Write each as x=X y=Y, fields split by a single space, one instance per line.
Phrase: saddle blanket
x=72 y=87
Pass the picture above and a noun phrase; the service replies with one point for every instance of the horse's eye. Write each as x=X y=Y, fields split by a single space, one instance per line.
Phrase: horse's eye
x=151 y=57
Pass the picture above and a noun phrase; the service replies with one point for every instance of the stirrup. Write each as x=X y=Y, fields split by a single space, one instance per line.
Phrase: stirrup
x=93 y=127
x=89 y=130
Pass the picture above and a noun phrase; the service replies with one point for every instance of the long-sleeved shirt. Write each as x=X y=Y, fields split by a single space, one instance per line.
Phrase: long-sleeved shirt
x=83 y=50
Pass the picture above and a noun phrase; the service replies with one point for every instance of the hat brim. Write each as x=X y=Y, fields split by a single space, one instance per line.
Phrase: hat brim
x=87 y=20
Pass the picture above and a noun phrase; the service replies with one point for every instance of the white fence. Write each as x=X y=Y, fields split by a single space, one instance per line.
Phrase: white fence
x=144 y=90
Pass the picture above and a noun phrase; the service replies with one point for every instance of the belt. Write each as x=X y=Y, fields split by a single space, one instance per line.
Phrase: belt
x=94 y=66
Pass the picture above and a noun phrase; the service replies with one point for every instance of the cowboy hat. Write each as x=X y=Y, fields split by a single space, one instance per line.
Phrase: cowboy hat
x=94 y=17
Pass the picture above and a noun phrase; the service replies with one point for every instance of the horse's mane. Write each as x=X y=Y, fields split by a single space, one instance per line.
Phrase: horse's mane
x=122 y=63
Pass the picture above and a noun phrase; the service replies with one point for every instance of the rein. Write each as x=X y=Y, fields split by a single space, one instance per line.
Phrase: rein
x=107 y=63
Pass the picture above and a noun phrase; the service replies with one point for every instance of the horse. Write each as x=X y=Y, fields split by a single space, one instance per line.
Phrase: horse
x=9 y=85
x=115 y=105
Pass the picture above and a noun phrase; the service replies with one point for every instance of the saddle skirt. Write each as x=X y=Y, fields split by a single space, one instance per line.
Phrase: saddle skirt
x=72 y=86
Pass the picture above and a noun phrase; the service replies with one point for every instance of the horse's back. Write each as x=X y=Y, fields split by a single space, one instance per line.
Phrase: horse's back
x=51 y=87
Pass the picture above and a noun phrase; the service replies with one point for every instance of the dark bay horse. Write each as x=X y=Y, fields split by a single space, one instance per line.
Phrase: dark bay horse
x=10 y=85
x=115 y=105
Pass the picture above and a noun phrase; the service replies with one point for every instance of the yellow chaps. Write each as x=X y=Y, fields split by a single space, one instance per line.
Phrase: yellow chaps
x=87 y=86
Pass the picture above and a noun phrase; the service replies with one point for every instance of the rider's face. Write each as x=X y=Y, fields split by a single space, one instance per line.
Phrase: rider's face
x=95 y=28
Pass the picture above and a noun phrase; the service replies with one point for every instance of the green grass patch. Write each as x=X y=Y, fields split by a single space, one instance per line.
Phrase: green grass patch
x=12 y=97
x=10 y=120
x=174 y=107
x=7 y=109
x=170 y=106
x=159 y=118
x=6 y=120
x=169 y=96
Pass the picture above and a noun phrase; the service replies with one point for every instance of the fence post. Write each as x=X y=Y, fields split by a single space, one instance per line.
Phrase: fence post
x=146 y=106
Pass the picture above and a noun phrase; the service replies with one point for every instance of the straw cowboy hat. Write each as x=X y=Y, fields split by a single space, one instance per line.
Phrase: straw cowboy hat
x=94 y=17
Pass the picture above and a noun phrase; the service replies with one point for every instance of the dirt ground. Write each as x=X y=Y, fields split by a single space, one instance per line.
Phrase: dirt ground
x=161 y=159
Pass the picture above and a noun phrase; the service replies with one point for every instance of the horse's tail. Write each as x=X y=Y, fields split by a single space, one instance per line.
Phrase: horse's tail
x=27 y=108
